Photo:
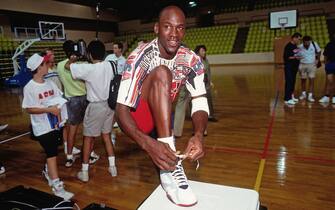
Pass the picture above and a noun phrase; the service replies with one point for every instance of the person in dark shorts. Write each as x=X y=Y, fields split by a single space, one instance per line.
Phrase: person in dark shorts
x=329 y=56
x=75 y=92
x=46 y=118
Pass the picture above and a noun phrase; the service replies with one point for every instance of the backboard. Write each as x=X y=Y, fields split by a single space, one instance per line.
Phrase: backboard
x=51 y=30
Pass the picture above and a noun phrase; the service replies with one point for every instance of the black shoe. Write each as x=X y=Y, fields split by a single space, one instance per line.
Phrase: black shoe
x=69 y=162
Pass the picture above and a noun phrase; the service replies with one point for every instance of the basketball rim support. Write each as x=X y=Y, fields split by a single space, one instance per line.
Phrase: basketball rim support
x=51 y=34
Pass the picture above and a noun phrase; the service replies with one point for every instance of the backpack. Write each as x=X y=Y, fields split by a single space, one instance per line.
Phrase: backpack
x=318 y=65
x=114 y=86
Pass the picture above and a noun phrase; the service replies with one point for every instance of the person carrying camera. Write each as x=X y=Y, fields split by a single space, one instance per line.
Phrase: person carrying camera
x=75 y=92
x=98 y=115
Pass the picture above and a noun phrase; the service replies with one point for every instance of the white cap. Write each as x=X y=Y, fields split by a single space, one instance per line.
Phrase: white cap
x=35 y=61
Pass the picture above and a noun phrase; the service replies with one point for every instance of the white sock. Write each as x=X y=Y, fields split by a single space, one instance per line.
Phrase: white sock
x=303 y=92
x=310 y=94
x=111 y=160
x=69 y=156
x=169 y=140
x=84 y=166
x=54 y=181
x=46 y=167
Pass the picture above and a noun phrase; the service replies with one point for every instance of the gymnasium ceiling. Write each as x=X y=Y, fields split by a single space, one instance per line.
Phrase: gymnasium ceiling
x=146 y=9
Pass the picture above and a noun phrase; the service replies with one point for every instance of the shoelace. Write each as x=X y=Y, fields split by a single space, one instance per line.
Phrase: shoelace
x=179 y=175
x=182 y=157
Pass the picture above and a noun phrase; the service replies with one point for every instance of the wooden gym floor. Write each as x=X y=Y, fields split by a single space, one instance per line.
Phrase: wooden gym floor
x=286 y=153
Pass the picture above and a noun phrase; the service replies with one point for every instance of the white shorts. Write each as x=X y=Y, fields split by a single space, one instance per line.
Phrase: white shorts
x=307 y=70
x=98 y=119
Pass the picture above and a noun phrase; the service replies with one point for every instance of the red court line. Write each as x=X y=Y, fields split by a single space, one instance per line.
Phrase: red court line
x=270 y=128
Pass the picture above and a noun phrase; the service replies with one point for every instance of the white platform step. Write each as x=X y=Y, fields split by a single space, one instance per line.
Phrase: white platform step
x=210 y=197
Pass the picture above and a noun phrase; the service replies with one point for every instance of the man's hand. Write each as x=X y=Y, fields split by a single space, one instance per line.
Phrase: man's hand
x=194 y=149
x=72 y=59
x=162 y=155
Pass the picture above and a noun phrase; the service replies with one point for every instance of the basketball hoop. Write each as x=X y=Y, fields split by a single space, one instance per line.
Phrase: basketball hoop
x=51 y=30
x=282 y=26
x=282 y=21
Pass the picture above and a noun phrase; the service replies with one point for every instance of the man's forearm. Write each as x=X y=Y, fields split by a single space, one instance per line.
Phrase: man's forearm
x=130 y=128
x=199 y=120
x=38 y=110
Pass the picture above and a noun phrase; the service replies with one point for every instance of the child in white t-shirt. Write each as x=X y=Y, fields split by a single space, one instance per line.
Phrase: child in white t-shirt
x=42 y=100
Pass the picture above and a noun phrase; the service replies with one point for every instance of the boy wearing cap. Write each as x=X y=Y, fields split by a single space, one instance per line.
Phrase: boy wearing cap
x=42 y=100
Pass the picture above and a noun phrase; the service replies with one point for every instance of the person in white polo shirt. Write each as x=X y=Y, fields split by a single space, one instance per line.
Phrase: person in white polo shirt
x=310 y=52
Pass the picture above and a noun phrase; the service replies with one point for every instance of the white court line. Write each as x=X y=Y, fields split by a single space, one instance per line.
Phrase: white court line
x=15 y=137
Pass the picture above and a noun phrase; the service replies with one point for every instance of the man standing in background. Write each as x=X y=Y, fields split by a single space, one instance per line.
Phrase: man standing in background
x=291 y=65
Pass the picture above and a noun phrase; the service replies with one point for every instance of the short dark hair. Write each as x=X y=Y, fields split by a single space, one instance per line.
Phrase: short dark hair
x=68 y=46
x=119 y=45
x=307 y=38
x=296 y=35
x=198 y=47
x=96 y=49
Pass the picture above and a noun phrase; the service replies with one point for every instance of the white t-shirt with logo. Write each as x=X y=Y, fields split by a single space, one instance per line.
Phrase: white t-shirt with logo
x=37 y=95
x=97 y=79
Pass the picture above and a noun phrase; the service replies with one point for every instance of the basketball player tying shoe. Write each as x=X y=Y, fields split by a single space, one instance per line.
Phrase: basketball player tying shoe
x=152 y=77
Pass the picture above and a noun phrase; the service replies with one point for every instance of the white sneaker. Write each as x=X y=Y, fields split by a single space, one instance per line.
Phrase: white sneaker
x=295 y=99
x=290 y=102
x=324 y=99
x=76 y=151
x=46 y=176
x=69 y=162
x=83 y=176
x=3 y=127
x=302 y=96
x=310 y=98
x=176 y=186
x=2 y=170
x=58 y=190
x=115 y=125
x=112 y=170
x=94 y=157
